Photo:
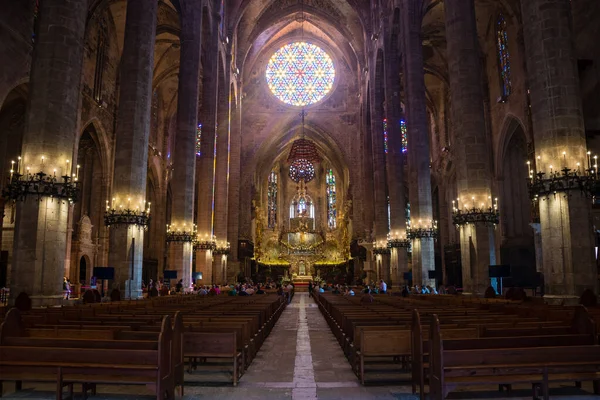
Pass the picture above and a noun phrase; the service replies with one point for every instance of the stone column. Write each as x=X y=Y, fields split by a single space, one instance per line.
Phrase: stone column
x=379 y=168
x=395 y=165
x=233 y=220
x=206 y=172
x=184 y=153
x=222 y=175
x=40 y=240
x=131 y=148
x=557 y=118
x=423 y=258
x=471 y=150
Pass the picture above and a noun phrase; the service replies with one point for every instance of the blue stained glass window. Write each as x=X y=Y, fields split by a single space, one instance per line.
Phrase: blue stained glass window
x=198 y=140
x=385 y=135
x=404 y=135
x=503 y=56
x=300 y=74
x=331 y=200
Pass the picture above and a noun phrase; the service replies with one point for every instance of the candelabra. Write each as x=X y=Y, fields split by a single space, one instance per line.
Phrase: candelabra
x=394 y=242
x=423 y=232
x=381 y=248
x=40 y=184
x=184 y=235
x=127 y=216
x=222 y=248
x=564 y=180
x=206 y=243
x=473 y=215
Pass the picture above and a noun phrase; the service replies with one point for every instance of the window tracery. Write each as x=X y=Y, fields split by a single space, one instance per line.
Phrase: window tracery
x=503 y=56
x=272 y=199
x=300 y=74
x=331 y=200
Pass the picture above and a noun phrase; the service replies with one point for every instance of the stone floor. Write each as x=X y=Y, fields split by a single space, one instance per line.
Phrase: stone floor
x=300 y=360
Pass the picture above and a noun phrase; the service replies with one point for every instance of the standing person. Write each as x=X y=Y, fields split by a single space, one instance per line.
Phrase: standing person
x=310 y=288
x=179 y=286
x=382 y=287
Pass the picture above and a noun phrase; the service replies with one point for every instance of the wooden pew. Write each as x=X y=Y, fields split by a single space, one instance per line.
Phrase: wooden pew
x=213 y=345
x=479 y=362
x=69 y=361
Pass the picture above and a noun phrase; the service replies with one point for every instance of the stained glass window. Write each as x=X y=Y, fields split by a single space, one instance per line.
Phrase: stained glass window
x=272 y=199
x=300 y=74
x=385 y=135
x=331 y=200
x=36 y=20
x=503 y=56
x=302 y=170
x=101 y=50
x=198 y=140
x=404 y=135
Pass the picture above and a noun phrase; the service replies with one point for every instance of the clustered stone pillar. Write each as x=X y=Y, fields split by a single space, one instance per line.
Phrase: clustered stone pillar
x=471 y=151
x=423 y=259
x=382 y=261
x=233 y=220
x=131 y=148
x=40 y=241
x=395 y=168
x=184 y=154
x=206 y=172
x=222 y=179
x=557 y=116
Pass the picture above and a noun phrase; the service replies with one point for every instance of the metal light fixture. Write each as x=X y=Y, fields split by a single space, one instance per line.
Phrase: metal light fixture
x=121 y=215
x=183 y=235
x=206 y=243
x=473 y=214
x=423 y=232
x=564 y=180
x=41 y=184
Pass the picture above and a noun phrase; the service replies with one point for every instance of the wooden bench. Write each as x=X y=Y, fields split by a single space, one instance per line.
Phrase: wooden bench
x=212 y=345
x=69 y=361
x=472 y=362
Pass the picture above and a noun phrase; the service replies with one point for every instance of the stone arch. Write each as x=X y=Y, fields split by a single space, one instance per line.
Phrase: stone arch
x=512 y=171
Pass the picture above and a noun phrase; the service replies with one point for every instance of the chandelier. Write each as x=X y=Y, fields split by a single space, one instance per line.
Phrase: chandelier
x=40 y=184
x=423 y=232
x=487 y=215
x=121 y=215
x=177 y=234
x=564 y=180
x=302 y=170
x=304 y=149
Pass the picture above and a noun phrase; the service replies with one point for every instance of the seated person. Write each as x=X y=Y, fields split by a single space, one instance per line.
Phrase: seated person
x=260 y=290
x=232 y=292
x=202 y=291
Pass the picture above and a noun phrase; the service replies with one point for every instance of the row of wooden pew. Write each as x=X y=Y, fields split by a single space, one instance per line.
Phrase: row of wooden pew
x=134 y=342
x=473 y=343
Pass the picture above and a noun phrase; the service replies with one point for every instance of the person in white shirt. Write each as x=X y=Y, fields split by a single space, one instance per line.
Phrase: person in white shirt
x=382 y=287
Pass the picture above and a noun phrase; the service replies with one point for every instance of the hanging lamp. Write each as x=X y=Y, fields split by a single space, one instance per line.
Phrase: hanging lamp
x=304 y=149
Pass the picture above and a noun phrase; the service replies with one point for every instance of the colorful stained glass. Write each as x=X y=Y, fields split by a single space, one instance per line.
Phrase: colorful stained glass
x=272 y=199
x=300 y=74
x=36 y=20
x=198 y=140
x=302 y=170
x=404 y=135
x=331 y=200
x=503 y=56
x=385 y=135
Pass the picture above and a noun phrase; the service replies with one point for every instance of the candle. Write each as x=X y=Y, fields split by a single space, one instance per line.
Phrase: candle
x=589 y=154
x=77 y=171
x=42 y=161
x=55 y=172
x=565 y=158
x=551 y=169
x=67 y=172
x=18 y=161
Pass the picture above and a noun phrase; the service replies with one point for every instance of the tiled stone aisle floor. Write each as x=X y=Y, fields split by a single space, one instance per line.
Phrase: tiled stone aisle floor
x=300 y=360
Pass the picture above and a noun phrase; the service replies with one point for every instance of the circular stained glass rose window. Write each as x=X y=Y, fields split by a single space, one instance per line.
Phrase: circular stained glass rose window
x=302 y=170
x=300 y=74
